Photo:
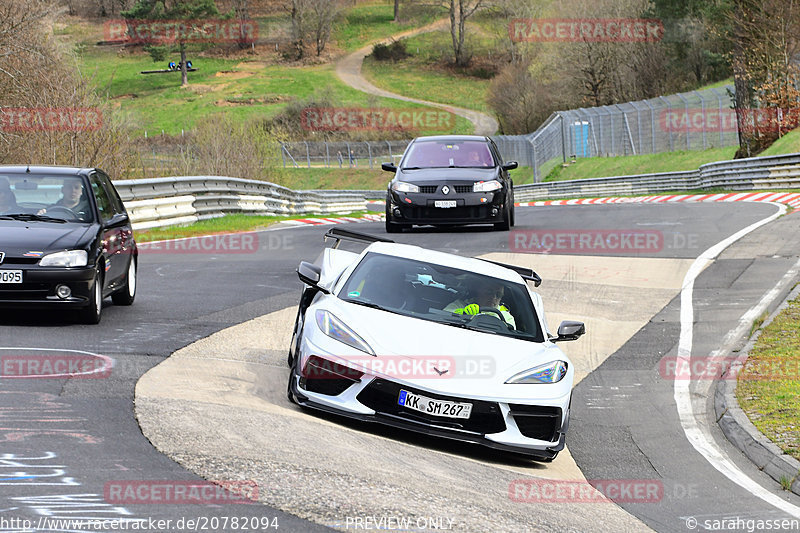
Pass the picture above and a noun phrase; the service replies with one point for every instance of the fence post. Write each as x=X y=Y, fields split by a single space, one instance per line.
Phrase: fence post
x=563 y=139
x=308 y=154
x=369 y=151
x=669 y=112
x=720 y=120
x=686 y=108
x=327 y=155
x=703 y=111
x=283 y=155
x=389 y=145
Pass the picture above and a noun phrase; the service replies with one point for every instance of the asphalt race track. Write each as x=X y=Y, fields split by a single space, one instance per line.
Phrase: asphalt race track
x=67 y=440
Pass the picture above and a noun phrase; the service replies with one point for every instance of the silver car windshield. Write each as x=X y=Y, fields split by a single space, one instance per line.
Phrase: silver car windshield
x=442 y=294
x=436 y=154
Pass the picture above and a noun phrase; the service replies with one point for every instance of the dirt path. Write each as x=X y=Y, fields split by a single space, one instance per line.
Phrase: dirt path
x=349 y=71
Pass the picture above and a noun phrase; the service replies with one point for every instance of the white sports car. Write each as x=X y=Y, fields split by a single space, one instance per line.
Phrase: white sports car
x=431 y=342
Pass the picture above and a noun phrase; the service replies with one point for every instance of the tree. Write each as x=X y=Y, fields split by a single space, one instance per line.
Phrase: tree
x=312 y=20
x=521 y=100
x=190 y=12
x=764 y=48
x=460 y=11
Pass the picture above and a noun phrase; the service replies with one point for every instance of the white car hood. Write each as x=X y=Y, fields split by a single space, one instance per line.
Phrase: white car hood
x=483 y=361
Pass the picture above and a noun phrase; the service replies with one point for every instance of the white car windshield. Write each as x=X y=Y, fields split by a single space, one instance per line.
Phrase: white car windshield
x=442 y=294
x=462 y=154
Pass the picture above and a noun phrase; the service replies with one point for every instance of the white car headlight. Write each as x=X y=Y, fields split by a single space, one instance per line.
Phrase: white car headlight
x=402 y=186
x=487 y=186
x=70 y=258
x=552 y=372
x=336 y=329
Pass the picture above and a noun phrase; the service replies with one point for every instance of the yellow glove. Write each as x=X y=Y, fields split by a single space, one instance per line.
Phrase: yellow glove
x=471 y=309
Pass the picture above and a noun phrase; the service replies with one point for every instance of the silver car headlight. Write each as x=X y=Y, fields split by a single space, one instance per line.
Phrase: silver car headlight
x=402 y=186
x=552 y=372
x=487 y=186
x=70 y=258
x=334 y=328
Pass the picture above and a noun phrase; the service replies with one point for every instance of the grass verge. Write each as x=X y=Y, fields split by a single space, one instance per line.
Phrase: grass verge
x=227 y=224
x=602 y=167
x=423 y=75
x=769 y=385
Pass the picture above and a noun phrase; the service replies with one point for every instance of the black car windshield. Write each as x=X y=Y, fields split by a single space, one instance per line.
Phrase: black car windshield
x=442 y=294
x=42 y=198
x=459 y=154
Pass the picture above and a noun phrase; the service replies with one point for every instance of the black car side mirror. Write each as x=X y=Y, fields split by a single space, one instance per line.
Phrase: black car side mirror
x=119 y=219
x=569 y=331
x=309 y=273
x=511 y=165
x=389 y=167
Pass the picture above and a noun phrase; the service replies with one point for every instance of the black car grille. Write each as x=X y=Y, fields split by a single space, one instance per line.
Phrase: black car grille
x=537 y=422
x=20 y=260
x=381 y=395
x=463 y=188
x=27 y=291
x=461 y=213
x=428 y=189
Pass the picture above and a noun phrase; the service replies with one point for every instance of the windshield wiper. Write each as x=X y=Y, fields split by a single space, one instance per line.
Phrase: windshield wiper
x=371 y=305
x=29 y=216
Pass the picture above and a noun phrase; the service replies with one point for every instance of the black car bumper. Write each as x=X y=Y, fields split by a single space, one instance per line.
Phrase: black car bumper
x=469 y=208
x=38 y=287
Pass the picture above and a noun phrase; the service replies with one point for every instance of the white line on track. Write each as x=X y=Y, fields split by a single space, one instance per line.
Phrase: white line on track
x=699 y=436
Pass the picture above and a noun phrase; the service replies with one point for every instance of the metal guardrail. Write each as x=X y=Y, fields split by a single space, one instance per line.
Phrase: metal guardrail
x=186 y=199
x=180 y=200
x=772 y=172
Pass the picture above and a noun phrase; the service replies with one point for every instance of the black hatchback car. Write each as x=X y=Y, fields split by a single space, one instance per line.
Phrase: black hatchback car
x=452 y=179
x=65 y=241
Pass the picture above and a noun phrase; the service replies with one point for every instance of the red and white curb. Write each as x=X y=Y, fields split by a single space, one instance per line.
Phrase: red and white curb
x=789 y=198
x=338 y=220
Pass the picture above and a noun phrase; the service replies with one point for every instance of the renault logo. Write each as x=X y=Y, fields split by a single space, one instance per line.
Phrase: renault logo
x=445 y=190
x=2 y=256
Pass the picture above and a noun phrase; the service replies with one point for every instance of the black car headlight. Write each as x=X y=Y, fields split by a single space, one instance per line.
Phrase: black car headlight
x=402 y=186
x=68 y=258
x=487 y=186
